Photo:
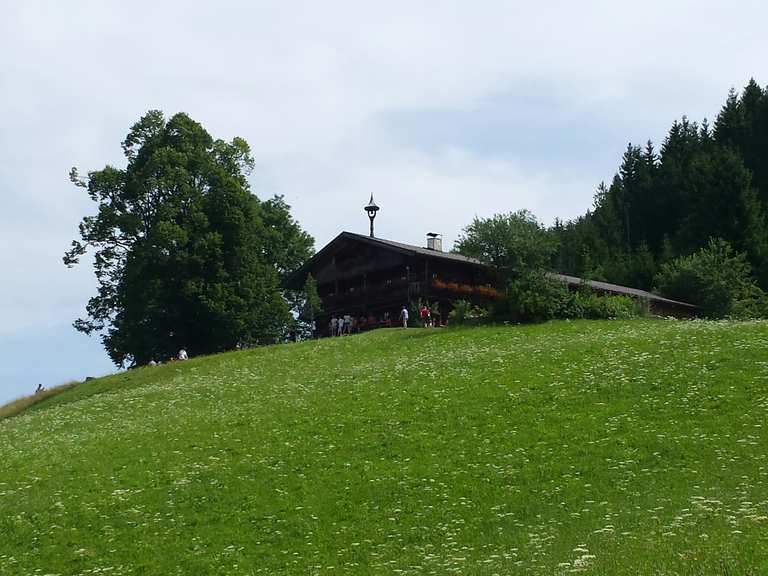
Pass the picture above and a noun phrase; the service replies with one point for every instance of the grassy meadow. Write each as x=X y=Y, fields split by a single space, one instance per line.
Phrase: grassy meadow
x=595 y=447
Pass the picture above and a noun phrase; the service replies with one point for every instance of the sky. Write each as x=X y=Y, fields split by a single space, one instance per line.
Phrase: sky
x=442 y=110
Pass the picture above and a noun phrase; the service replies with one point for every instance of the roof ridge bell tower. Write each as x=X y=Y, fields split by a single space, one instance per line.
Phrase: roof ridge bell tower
x=371 y=209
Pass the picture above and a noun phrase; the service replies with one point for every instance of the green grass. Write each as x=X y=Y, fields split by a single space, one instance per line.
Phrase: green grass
x=635 y=447
x=26 y=402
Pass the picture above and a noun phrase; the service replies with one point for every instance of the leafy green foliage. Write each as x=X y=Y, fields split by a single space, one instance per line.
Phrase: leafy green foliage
x=536 y=297
x=519 y=249
x=715 y=278
x=286 y=245
x=589 y=305
x=310 y=306
x=510 y=243
x=464 y=312
x=184 y=255
x=607 y=448
x=533 y=296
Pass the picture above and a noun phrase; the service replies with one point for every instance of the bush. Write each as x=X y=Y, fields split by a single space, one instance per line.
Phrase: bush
x=535 y=297
x=465 y=312
x=752 y=303
x=604 y=307
x=717 y=279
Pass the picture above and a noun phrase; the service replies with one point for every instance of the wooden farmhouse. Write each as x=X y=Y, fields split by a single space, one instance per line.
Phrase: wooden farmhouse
x=372 y=279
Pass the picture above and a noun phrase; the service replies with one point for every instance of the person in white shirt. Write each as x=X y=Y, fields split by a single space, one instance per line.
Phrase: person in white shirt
x=334 y=322
x=404 y=316
x=183 y=354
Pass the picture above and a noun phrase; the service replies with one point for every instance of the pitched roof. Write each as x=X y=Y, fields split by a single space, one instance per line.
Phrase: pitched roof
x=296 y=279
x=617 y=289
x=411 y=249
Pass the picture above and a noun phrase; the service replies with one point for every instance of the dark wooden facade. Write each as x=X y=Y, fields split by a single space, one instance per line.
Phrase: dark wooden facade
x=374 y=278
x=364 y=276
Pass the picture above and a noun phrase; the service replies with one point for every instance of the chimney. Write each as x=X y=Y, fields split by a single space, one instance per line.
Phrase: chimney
x=434 y=242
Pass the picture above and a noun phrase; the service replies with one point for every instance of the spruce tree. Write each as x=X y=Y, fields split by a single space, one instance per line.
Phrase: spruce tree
x=730 y=122
x=705 y=181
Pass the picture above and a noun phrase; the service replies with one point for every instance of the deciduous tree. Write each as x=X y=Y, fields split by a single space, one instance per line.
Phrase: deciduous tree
x=510 y=243
x=184 y=254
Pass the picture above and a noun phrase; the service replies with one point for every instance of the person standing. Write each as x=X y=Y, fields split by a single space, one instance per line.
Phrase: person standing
x=426 y=317
x=333 y=326
x=404 y=316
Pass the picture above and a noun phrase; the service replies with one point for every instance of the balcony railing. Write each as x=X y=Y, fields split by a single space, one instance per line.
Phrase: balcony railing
x=402 y=289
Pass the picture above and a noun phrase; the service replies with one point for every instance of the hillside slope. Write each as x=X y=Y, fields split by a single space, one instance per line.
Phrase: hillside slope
x=600 y=447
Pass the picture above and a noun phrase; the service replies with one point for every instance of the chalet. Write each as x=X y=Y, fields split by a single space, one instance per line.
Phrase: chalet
x=373 y=278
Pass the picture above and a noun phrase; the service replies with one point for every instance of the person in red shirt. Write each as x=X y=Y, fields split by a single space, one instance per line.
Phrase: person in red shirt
x=426 y=316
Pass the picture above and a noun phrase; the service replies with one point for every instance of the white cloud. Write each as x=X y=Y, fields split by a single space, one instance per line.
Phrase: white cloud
x=418 y=192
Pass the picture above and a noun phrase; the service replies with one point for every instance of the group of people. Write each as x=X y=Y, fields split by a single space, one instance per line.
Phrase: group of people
x=426 y=317
x=349 y=324
x=182 y=355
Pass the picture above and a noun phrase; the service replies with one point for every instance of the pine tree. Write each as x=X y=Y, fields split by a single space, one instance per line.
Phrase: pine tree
x=643 y=268
x=705 y=181
x=750 y=102
x=730 y=122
